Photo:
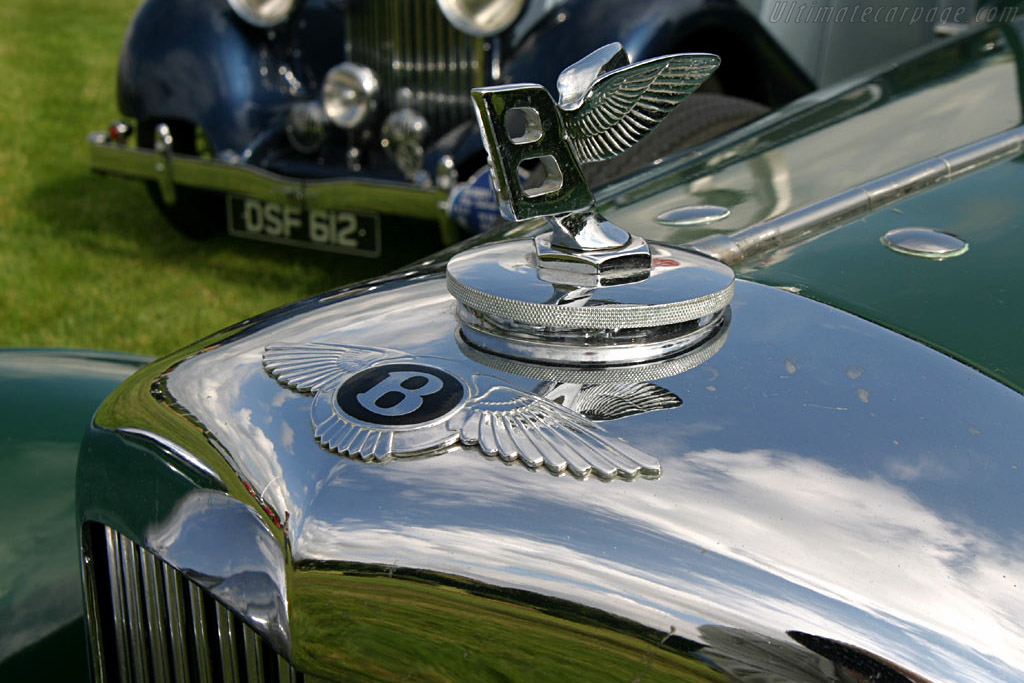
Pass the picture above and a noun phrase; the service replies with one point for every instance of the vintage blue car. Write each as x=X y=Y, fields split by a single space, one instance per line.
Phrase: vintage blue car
x=345 y=125
x=755 y=415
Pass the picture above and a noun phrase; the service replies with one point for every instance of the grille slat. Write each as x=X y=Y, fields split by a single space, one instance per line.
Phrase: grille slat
x=119 y=613
x=133 y=600
x=285 y=673
x=147 y=621
x=228 y=650
x=253 y=657
x=156 y=616
x=176 y=615
x=200 y=634
x=409 y=43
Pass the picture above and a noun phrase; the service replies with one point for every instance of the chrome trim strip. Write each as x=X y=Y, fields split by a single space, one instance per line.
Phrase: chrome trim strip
x=285 y=672
x=247 y=181
x=174 y=449
x=97 y=663
x=846 y=206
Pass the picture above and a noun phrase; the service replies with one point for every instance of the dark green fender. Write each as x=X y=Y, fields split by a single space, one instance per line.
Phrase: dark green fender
x=47 y=398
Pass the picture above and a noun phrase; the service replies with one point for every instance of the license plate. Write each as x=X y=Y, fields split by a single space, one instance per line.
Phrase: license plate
x=328 y=229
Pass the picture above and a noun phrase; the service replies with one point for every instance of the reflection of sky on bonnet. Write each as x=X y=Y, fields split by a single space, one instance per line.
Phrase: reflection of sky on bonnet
x=787 y=502
x=838 y=574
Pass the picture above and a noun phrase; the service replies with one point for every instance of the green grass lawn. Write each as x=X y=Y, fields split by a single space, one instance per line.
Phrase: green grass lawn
x=88 y=261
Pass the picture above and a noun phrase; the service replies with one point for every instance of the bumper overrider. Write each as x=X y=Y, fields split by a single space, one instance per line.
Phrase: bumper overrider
x=337 y=214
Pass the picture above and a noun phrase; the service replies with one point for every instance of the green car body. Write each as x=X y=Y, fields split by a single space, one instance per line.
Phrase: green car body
x=968 y=307
x=48 y=398
x=854 y=133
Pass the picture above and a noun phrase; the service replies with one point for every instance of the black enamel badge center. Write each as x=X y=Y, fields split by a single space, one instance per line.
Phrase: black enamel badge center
x=400 y=394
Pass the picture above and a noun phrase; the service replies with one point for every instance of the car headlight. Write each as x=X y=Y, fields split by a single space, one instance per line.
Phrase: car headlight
x=349 y=94
x=481 y=17
x=262 y=13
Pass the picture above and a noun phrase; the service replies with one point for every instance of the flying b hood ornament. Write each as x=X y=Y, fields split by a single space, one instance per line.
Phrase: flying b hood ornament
x=588 y=293
x=605 y=106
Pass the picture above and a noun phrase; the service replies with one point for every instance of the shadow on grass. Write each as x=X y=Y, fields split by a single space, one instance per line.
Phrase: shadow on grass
x=114 y=218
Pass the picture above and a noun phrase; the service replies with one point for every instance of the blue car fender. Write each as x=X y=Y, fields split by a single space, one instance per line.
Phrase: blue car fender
x=196 y=61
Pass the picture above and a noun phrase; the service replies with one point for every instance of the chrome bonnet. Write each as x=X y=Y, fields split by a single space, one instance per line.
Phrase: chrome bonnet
x=831 y=499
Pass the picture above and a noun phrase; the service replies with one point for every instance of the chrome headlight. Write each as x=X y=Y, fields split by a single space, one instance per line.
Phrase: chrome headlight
x=481 y=17
x=262 y=13
x=349 y=94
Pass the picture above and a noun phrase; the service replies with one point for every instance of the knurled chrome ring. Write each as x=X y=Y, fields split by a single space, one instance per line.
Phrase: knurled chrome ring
x=501 y=281
x=607 y=316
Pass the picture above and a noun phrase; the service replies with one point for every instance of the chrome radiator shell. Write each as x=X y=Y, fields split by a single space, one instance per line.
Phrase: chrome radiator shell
x=785 y=516
x=148 y=621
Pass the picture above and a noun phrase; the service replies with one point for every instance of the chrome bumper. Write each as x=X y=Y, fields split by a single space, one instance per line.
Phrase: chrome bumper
x=169 y=170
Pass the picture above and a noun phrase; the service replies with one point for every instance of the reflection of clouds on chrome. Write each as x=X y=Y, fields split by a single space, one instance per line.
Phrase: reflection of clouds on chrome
x=919 y=468
x=225 y=407
x=758 y=539
x=777 y=539
x=228 y=391
x=419 y=304
x=502 y=559
x=868 y=543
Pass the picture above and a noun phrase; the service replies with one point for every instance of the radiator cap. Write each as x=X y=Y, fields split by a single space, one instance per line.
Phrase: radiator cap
x=587 y=293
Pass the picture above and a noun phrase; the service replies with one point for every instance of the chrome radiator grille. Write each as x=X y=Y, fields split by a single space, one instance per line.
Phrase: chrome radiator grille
x=409 y=43
x=147 y=622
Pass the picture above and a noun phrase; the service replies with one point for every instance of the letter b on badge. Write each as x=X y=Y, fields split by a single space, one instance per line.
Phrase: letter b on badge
x=400 y=393
x=543 y=143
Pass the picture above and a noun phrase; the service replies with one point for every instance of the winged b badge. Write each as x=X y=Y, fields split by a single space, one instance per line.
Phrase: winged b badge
x=376 y=404
x=605 y=106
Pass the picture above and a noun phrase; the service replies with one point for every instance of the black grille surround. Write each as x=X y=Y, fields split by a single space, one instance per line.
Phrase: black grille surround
x=148 y=622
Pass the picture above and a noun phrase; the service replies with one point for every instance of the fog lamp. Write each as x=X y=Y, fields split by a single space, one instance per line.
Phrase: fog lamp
x=306 y=126
x=349 y=94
